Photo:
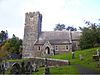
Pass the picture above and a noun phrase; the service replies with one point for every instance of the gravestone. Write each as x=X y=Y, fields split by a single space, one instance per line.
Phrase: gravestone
x=81 y=57
x=95 y=58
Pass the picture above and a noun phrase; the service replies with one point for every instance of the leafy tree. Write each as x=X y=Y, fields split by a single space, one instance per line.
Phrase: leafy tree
x=59 y=27
x=12 y=46
x=71 y=28
x=90 y=35
x=3 y=50
x=3 y=36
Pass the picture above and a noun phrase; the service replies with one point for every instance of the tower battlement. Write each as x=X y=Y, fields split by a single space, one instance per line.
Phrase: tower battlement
x=31 y=14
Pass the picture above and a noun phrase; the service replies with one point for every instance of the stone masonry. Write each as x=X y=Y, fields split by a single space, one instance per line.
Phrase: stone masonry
x=37 y=43
x=31 y=32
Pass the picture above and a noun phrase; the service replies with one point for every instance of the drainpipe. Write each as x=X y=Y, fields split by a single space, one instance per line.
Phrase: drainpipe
x=70 y=40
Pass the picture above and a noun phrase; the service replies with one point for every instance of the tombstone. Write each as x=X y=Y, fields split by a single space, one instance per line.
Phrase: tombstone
x=95 y=58
x=72 y=55
x=98 y=53
x=16 y=69
x=81 y=57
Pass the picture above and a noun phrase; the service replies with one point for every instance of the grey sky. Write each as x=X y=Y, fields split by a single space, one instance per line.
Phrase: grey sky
x=69 y=12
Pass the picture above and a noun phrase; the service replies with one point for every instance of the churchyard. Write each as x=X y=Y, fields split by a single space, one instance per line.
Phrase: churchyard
x=76 y=65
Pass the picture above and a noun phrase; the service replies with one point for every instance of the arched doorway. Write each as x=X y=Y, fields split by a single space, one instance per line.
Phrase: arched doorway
x=47 y=49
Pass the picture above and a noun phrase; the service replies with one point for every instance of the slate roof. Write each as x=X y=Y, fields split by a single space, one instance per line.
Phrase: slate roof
x=57 y=37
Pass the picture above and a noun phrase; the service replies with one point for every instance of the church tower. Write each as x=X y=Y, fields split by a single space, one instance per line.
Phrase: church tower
x=32 y=30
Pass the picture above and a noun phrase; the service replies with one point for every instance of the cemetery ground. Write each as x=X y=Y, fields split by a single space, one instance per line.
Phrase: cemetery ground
x=77 y=66
x=87 y=62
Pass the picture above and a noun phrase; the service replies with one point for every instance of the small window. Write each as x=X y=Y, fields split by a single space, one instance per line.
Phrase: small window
x=39 y=48
x=66 y=47
x=56 y=47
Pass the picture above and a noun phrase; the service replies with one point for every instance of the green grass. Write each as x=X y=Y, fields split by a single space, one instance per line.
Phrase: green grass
x=59 y=70
x=86 y=62
x=7 y=71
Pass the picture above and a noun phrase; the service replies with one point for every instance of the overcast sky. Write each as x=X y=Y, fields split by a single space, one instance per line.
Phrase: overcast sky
x=68 y=12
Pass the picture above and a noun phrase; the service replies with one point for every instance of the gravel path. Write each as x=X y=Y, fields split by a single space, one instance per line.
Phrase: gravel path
x=83 y=70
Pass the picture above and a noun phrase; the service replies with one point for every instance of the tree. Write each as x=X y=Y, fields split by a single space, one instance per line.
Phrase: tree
x=11 y=47
x=59 y=27
x=71 y=28
x=15 y=44
x=3 y=36
x=4 y=50
x=90 y=35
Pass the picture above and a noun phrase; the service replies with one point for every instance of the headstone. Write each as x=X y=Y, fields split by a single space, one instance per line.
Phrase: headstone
x=95 y=58
x=81 y=57
x=72 y=55
x=98 y=53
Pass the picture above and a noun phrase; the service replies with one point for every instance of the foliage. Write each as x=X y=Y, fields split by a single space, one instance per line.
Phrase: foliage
x=90 y=36
x=11 y=47
x=71 y=28
x=3 y=36
x=61 y=27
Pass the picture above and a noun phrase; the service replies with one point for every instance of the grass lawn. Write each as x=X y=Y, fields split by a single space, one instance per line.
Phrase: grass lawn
x=54 y=70
x=86 y=62
x=59 y=70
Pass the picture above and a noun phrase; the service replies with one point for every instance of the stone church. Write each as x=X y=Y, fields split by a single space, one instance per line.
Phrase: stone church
x=37 y=43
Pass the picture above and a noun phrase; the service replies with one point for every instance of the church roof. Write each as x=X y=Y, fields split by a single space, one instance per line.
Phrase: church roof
x=57 y=37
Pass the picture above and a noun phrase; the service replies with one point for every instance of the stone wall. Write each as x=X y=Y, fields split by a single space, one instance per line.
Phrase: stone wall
x=40 y=62
x=50 y=62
